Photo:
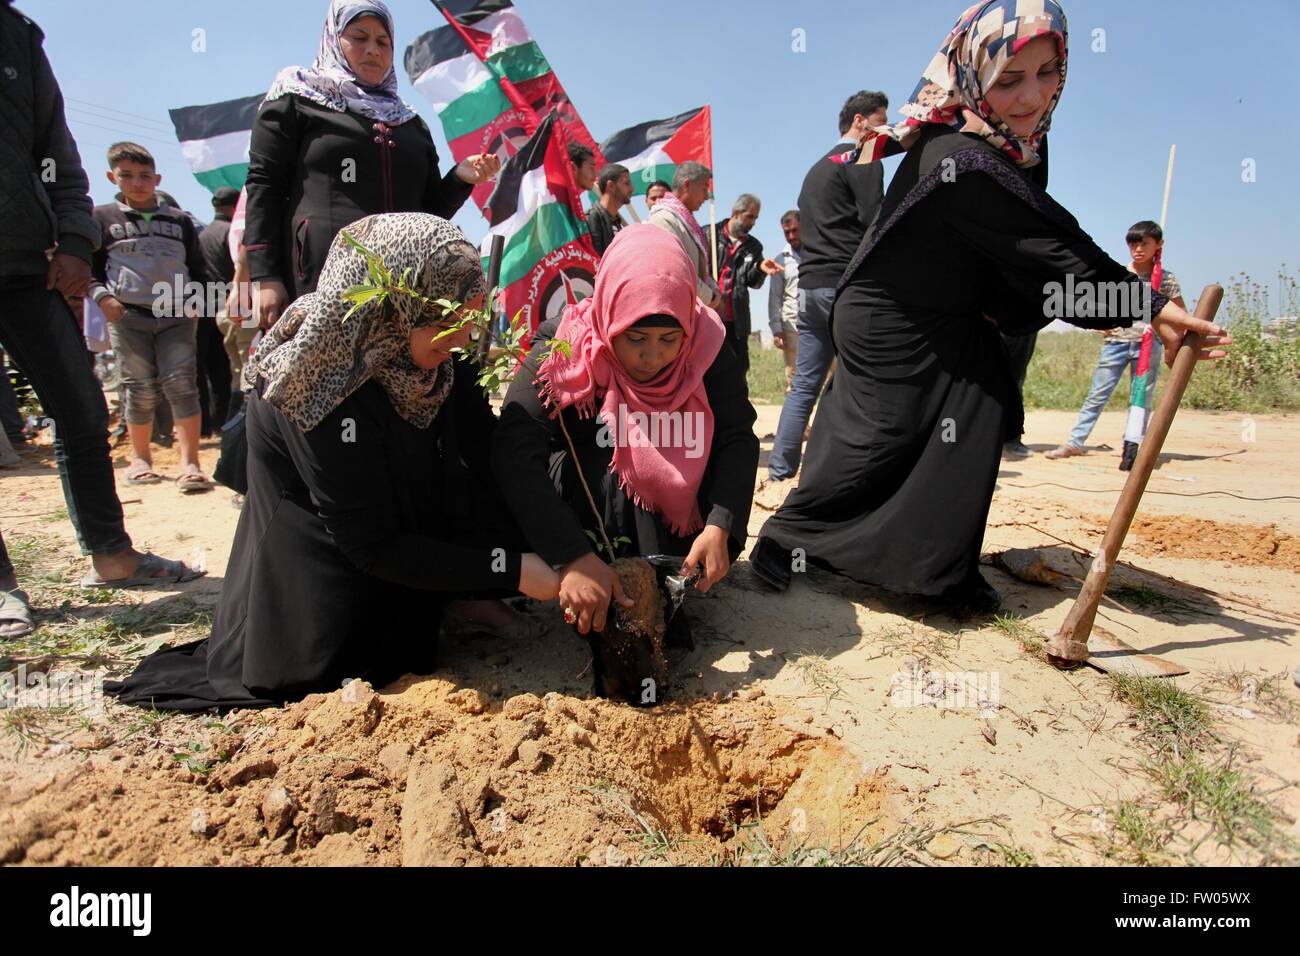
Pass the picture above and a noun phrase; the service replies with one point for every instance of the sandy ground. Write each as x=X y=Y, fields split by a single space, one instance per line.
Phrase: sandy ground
x=814 y=711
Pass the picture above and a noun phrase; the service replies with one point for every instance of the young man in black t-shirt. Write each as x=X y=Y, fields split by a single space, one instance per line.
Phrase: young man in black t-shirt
x=603 y=219
x=837 y=203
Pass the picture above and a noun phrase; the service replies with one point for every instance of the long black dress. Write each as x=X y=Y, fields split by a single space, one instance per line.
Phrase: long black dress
x=540 y=484
x=904 y=453
x=313 y=170
x=353 y=538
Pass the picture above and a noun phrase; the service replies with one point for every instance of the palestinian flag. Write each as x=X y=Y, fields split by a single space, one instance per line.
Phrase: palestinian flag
x=489 y=82
x=653 y=150
x=548 y=260
x=214 y=139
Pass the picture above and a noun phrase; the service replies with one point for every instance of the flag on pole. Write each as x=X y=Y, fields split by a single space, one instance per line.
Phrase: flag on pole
x=489 y=83
x=214 y=139
x=653 y=150
x=548 y=260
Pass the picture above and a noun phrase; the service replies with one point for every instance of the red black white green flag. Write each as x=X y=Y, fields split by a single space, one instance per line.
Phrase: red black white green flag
x=654 y=149
x=489 y=82
x=548 y=259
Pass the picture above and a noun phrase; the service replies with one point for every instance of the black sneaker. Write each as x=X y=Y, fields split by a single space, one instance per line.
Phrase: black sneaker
x=771 y=563
x=1015 y=450
x=1129 y=456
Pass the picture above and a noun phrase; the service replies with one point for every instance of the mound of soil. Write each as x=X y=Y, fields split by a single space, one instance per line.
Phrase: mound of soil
x=1182 y=537
x=425 y=773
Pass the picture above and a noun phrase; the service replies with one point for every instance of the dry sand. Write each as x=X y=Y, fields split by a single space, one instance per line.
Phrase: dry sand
x=804 y=711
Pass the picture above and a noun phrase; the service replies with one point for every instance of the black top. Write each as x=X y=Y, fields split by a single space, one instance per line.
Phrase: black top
x=216 y=251
x=353 y=537
x=1000 y=222
x=602 y=226
x=313 y=171
x=44 y=192
x=836 y=205
x=538 y=481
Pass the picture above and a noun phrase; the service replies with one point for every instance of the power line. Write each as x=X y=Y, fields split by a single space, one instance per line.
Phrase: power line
x=90 y=114
x=126 y=134
x=139 y=116
x=122 y=128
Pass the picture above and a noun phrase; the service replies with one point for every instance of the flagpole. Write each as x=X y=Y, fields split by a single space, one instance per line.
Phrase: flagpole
x=493 y=278
x=636 y=216
x=713 y=238
x=1135 y=427
x=1169 y=181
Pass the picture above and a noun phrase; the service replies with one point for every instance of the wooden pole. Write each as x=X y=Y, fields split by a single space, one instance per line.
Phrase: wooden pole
x=713 y=239
x=493 y=277
x=1169 y=181
x=636 y=216
x=1068 y=647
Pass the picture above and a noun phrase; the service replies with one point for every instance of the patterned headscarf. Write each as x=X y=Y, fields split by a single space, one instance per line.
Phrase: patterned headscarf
x=312 y=360
x=331 y=83
x=953 y=87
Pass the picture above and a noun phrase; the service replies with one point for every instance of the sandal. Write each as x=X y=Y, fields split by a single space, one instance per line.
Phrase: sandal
x=143 y=476
x=15 y=615
x=192 y=481
x=146 y=574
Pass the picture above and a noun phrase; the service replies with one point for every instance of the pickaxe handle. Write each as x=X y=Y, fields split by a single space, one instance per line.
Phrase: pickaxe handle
x=1068 y=647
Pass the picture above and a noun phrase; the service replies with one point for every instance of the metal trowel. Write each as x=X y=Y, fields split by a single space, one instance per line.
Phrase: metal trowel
x=674 y=585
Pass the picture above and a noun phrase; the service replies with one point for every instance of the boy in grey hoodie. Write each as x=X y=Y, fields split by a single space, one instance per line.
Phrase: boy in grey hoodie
x=150 y=253
x=47 y=237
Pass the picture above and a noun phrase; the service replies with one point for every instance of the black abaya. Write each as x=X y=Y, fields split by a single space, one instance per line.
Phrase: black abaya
x=353 y=537
x=903 y=456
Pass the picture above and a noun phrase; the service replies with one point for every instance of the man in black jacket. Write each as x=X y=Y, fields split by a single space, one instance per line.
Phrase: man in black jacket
x=836 y=205
x=44 y=205
x=740 y=260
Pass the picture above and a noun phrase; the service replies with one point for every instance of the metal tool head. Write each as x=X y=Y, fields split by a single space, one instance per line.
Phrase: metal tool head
x=674 y=583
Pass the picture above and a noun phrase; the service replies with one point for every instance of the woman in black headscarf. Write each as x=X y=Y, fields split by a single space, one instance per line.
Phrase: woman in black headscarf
x=332 y=144
x=370 y=500
x=904 y=453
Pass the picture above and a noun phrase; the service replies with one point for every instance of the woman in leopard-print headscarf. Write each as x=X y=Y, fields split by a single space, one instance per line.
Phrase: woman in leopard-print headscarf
x=370 y=504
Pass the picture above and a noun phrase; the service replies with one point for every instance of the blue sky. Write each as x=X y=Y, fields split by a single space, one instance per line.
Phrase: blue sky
x=1209 y=76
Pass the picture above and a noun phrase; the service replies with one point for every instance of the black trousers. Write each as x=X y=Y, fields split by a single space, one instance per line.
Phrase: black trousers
x=1020 y=349
x=10 y=417
x=214 y=375
x=39 y=331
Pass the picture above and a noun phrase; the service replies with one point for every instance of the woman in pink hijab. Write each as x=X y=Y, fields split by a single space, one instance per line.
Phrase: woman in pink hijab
x=660 y=418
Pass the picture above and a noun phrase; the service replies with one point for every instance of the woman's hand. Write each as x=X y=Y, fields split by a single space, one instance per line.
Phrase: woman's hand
x=710 y=550
x=537 y=579
x=272 y=298
x=585 y=589
x=1173 y=323
x=478 y=169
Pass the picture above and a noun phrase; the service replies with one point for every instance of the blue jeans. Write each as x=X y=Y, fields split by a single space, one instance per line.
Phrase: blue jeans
x=811 y=365
x=1115 y=357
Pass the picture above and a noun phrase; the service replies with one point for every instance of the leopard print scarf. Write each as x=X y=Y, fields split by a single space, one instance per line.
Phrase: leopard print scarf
x=311 y=360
